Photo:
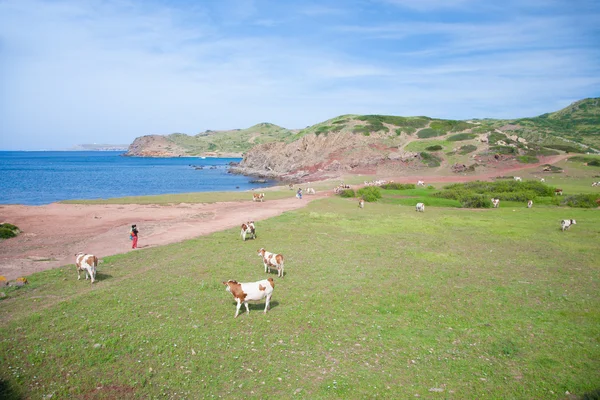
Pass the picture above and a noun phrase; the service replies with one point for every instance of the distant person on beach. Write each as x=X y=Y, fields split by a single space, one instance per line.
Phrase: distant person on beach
x=134 y=236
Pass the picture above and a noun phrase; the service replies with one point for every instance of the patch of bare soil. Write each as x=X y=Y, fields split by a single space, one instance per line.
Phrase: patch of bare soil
x=53 y=233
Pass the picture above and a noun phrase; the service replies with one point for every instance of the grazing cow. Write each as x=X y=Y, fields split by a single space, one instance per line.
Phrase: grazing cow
x=495 y=202
x=258 y=197
x=518 y=179
x=248 y=228
x=420 y=207
x=542 y=180
x=530 y=204
x=310 y=191
x=361 y=203
x=420 y=183
x=87 y=263
x=558 y=192
x=566 y=223
x=271 y=260
x=251 y=291
x=596 y=184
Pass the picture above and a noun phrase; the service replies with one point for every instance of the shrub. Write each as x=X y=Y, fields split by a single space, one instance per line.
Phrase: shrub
x=370 y=193
x=503 y=149
x=8 y=231
x=527 y=159
x=430 y=159
x=347 y=193
x=436 y=147
x=581 y=201
x=428 y=132
x=565 y=147
x=496 y=137
x=469 y=148
x=398 y=186
x=475 y=201
x=461 y=136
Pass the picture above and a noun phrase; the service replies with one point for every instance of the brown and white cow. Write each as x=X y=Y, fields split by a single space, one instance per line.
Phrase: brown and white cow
x=258 y=197
x=87 y=263
x=495 y=202
x=558 y=192
x=248 y=228
x=251 y=291
x=530 y=204
x=565 y=224
x=272 y=260
x=361 y=203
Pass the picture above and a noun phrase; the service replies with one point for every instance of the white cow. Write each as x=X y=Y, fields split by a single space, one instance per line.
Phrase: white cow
x=596 y=184
x=530 y=204
x=518 y=179
x=566 y=223
x=542 y=180
x=420 y=183
x=310 y=191
x=495 y=202
x=248 y=228
x=271 y=260
x=87 y=263
x=251 y=291
x=420 y=207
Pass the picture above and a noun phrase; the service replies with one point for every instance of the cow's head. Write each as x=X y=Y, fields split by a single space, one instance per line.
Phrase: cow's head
x=261 y=252
x=228 y=284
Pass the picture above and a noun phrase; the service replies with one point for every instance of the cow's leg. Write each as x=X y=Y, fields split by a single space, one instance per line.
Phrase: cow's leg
x=281 y=270
x=266 y=267
x=237 y=308
x=268 y=303
x=247 y=308
x=78 y=273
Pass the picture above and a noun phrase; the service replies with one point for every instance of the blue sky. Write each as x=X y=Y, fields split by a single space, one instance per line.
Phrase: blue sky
x=79 y=71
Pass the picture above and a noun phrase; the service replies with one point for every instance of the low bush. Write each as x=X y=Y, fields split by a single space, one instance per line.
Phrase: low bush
x=461 y=136
x=347 y=193
x=436 y=147
x=398 y=186
x=8 y=231
x=430 y=159
x=590 y=161
x=475 y=201
x=581 y=201
x=469 y=148
x=370 y=193
x=496 y=137
x=565 y=147
x=503 y=149
x=428 y=132
x=527 y=159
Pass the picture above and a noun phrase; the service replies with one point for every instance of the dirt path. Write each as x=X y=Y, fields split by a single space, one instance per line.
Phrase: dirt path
x=53 y=233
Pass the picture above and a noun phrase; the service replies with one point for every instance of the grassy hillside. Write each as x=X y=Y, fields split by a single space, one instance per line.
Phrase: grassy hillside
x=570 y=129
x=233 y=141
x=380 y=302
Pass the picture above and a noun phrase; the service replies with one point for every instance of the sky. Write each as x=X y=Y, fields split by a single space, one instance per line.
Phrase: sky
x=108 y=71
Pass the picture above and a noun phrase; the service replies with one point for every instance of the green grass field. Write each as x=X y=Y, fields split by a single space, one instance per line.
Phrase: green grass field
x=380 y=302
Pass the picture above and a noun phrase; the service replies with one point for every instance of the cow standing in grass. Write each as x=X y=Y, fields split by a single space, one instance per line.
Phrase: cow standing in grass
x=530 y=204
x=361 y=203
x=420 y=207
x=87 y=263
x=248 y=228
x=271 y=260
x=495 y=202
x=251 y=291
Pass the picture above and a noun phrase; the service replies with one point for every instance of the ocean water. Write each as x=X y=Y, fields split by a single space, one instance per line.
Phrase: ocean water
x=43 y=177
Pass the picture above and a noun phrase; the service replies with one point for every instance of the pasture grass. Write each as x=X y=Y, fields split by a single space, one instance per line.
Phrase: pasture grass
x=376 y=302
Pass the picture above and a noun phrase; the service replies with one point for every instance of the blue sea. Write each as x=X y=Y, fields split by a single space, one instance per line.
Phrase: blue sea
x=43 y=177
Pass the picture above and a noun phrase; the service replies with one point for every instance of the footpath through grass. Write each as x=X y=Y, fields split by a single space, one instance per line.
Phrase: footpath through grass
x=379 y=302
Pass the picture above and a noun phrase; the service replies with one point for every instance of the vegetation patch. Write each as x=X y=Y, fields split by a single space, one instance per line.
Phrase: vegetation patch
x=469 y=148
x=325 y=129
x=8 y=231
x=435 y=147
x=527 y=159
x=398 y=186
x=551 y=168
x=430 y=159
x=588 y=160
x=429 y=132
x=566 y=148
x=448 y=125
x=347 y=193
x=496 y=137
x=581 y=200
x=461 y=136
x=370 y=193
x=503 y=149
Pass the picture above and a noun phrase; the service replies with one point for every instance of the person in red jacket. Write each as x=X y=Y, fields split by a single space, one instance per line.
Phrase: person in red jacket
x=134 y=236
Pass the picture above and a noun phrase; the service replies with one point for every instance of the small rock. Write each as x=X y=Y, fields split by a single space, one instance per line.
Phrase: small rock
x=97 y=345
